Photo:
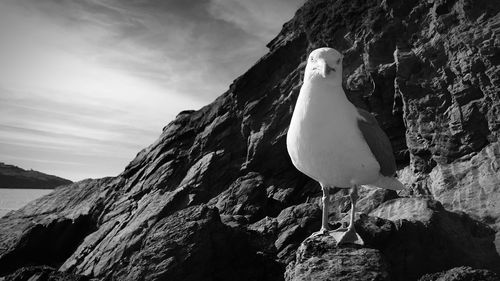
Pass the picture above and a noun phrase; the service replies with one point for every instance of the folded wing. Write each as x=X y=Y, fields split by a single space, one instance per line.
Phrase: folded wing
x=378 y=142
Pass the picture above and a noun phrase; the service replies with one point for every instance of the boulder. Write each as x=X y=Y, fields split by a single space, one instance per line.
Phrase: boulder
x=462 y=273
x=319 y=259
x=425 y=237
x=408 y=238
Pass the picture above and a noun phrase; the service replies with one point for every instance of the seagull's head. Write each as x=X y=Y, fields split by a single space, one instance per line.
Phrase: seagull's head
x=324 y=64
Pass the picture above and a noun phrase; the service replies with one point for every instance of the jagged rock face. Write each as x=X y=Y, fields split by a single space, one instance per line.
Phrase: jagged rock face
x=428 y=70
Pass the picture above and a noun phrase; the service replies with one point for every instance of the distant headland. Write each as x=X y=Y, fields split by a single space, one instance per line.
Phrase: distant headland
x=14 y=177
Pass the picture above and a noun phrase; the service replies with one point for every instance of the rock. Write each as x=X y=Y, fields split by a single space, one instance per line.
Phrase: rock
x=375 y=232
x=246 y=197
x=294 y=225
x=236 y=221
x=427 y=238
x=282 y=235
x=371 y=198
x=42 y=273
x=263 y=233
x=476 y=186
x=319 y=258
x=340 y=203
x=49 y=229
x=191 y=244
x=421 y=237
x=463 y=273
x=451 y=106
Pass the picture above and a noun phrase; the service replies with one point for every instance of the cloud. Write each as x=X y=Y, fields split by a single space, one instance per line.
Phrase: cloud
x=262 y=18
x=93 y=81
x=173 y=43
x=61 y=99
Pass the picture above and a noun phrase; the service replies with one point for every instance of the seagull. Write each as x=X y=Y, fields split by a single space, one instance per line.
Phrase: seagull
x=335 y=143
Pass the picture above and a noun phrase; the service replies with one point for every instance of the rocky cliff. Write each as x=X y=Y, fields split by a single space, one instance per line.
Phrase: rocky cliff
x=217 y=198
x=14 y=177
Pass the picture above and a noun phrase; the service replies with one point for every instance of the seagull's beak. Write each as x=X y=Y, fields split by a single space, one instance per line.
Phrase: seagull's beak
x=325 y=69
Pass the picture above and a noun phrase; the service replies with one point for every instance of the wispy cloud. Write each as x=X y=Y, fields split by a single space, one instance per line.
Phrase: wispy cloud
x=93 y=81
x=261 y=18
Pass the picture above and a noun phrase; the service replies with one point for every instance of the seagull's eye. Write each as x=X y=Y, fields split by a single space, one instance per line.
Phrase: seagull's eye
x=338 y=61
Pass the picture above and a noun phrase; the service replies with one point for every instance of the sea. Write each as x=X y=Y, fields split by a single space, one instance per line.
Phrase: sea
x=13 y=199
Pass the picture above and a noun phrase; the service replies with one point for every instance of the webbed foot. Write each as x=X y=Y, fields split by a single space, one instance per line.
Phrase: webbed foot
x=321 y=232
x=349 y=236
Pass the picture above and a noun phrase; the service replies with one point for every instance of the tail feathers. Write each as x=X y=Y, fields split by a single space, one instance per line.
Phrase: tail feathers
x=387 y=183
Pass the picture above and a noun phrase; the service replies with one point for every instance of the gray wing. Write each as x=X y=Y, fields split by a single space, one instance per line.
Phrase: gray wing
x=378 y=142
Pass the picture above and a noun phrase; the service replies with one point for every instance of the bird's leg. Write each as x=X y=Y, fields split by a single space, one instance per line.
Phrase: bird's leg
x=326 y=206
x=350 y=235
x=354 y=197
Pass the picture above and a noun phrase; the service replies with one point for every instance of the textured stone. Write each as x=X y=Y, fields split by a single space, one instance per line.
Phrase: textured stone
x=191 y=244
x=49 y=229
x=373 y=198
x=463 y=273
x=246 y=197
x=427 y=238
x=476 y=186
x=42 y=273
x=421 y=237
x=294 y=225
x=449 y=93
x=319 y=259
x=282 y=235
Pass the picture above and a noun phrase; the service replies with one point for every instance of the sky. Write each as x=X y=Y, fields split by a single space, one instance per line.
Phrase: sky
x=86 y=84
